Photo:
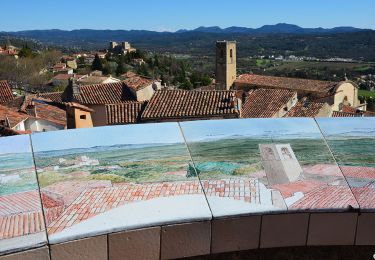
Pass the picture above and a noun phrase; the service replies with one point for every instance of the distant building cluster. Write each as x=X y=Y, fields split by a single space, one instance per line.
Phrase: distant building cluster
x=95 y=100
x=123 y=47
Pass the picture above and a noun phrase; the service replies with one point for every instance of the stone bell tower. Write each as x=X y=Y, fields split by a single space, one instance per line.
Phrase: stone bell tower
x=225 y=64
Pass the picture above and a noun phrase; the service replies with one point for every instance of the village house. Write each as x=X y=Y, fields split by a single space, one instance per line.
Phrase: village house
x=306 y=108
x=98 y=97
x=314 y=95
x=35 y=114
x=182 y=105
x=268 y=103
x=142 y=88
x=9 y=51
x=61 y=68
x=335 y=94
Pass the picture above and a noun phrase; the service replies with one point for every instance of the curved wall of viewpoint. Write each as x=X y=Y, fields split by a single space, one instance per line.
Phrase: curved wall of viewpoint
x=175 y=190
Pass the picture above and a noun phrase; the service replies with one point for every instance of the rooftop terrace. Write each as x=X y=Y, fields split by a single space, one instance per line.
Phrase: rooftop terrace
x=173 y=190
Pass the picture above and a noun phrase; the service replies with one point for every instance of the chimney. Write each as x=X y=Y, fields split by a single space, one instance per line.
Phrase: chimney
x=74 y=87
x=31 y=109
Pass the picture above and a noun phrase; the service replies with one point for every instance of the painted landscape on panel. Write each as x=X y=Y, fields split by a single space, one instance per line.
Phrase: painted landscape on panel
x=21 y=218
x=118 y=178
x=259 y=166
x=352 y=141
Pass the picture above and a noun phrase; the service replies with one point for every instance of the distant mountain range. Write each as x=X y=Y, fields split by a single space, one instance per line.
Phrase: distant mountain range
x=279 y=39
x=277 y=28
x=265 y=29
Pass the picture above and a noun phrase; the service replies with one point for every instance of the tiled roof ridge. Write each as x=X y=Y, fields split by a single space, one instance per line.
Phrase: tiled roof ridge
x=292 y=78
x=299 y=84
x=189 y=104
x=263 y=102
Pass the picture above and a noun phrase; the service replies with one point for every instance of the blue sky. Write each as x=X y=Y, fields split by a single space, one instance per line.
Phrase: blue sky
x=107 y=136
x=219 y=129
x=170 y=15
x=331 y=126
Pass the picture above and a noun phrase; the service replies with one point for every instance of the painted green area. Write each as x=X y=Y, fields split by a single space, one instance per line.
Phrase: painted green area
x=17 y=173
x=353 y=151
x=241 y=157
x=137 y=165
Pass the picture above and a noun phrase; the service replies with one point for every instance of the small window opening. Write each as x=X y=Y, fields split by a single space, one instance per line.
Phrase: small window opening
x=82 y=117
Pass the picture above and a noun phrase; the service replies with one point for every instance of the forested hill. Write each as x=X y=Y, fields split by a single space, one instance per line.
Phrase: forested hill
x=344 y=42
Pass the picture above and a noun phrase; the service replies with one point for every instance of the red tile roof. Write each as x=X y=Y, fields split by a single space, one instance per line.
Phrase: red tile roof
x=110 y=93
x=21 y=224
x=13 y=117
x=305 y=108
x=288 y=189
x=365 y=196
x=344 y=114
x=137 y=82
x=53 y=96
x=180 y=104
x=327 y=197
x=50 y=113
x=44 y=110
x=266 y=102
x=124 y=113
x=19 y=203
x=21 y=214
x=94 y=201
x=6 y=93
x=286 y=83
x=358 y=172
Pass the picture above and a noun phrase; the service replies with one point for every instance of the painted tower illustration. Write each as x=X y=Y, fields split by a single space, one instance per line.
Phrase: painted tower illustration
x=280 y=163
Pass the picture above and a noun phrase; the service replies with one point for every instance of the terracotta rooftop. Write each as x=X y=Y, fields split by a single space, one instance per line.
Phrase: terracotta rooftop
x=286 y=83
x=124 y=113
x=345 y=114
x=50 y=113
x=77 y=105
x=111 y=93
x=266 y=102
x=7 y=115
x=305 y=108
x=6 y=93
x=137 y=82
x=44 y=110
x=328 y=196
x=173 y=104
x=53 y=96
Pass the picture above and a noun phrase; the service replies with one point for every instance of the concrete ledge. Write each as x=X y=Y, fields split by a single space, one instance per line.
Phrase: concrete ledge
x=326 y=229
x=284 y=230
x=135 y=244
x=185 y=240
x=34 y=254
x=93 y=248
x=235 y=234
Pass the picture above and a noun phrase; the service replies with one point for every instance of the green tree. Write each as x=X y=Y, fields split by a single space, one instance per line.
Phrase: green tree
x=97 y=63
x=25 y=52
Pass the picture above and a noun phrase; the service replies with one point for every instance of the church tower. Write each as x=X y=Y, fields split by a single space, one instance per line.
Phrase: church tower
x=225 y=64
